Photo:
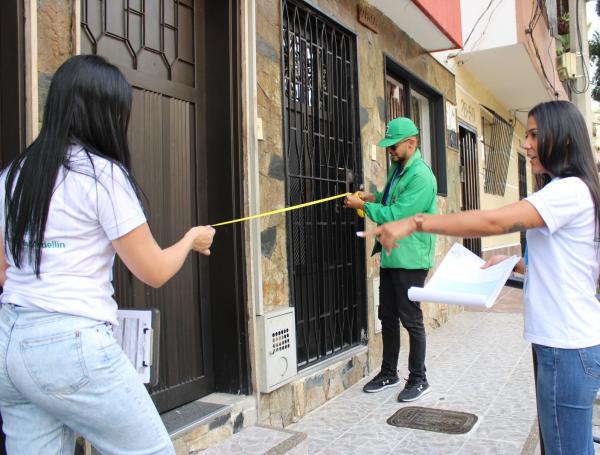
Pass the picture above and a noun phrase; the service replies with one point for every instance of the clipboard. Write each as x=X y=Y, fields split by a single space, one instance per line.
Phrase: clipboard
x=138 y=334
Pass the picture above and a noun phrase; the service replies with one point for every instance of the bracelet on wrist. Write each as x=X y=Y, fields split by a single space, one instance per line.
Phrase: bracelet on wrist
x=419 y=218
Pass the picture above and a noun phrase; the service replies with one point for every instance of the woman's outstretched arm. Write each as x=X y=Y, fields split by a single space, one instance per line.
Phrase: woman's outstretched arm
x=153 y=265
x=473 y=223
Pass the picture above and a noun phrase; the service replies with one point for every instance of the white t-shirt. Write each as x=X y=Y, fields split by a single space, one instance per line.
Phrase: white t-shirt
x=77 y=255
x=561 y=309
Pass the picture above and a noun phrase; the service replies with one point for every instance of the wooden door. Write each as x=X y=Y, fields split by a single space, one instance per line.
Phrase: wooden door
x=159 y=45
x=12 y=85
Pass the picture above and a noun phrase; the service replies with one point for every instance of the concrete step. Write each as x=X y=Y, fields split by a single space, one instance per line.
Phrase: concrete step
x=261 y=440
x=235 y=413
x=202 y=424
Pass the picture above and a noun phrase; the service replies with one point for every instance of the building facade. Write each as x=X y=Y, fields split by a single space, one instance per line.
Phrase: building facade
x=515 y=55
x=247 y=106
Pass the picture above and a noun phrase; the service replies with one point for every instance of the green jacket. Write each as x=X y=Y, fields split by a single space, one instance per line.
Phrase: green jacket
x=414 y=191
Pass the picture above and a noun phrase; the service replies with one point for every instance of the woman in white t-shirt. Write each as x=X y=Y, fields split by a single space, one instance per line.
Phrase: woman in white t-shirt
x=561 y=312
x=67 y=204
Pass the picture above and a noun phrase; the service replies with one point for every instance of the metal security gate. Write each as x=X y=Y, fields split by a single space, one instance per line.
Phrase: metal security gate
x=497 y=136
x=469 y=179
x=522 y=192
x=322 y=155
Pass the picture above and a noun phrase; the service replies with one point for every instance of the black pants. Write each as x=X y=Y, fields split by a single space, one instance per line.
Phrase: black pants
x=395 y=306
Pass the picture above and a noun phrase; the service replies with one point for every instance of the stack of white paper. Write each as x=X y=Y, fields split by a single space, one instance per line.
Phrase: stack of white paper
x=460 y=280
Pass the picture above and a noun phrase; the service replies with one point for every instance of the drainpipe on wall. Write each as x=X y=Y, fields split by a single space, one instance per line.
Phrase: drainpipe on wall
x=76 y=28
x=31 y=72
x=255 y=268
x=255 y=291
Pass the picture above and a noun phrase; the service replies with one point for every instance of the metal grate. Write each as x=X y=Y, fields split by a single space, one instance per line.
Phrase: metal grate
x=522 y=192
x=497 y=134
x=469 y=180
x=439 y=420
x=322 y=155
x=280 y=340
x=394 y=98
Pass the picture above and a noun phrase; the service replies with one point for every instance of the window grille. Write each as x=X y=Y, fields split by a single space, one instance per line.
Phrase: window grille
x=497 y=141
x=409 y=96
x=469 y=180
x=394 y=98
x=322 y=156
x=522 y=191
x=417 y=107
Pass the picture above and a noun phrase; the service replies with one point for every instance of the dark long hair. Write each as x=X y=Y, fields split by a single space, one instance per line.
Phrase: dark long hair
x=88 y=103
x=564 y=147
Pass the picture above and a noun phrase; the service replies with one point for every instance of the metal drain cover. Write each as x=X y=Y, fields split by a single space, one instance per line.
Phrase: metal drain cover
x=439 y=420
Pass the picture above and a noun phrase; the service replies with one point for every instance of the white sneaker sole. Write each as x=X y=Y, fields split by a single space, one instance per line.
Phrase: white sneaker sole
x=383 y=388
x=415 y=399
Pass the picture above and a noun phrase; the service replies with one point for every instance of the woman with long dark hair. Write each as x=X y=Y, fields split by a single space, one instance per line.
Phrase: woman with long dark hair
x=67 y=204
x=561 y=312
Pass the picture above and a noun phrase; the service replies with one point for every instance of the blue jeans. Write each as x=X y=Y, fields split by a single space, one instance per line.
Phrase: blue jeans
x=61 y=374
x=567 y=384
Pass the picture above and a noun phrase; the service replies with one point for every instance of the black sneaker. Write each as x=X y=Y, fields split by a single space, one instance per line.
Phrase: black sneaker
x=413 y=391
x=381 y=381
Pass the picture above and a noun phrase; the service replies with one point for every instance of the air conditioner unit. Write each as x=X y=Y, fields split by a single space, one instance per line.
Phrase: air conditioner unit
x=567 y=66
x=277 y=348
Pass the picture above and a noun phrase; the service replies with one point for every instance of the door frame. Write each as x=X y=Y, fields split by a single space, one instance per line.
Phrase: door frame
x=225 y=171
x=12 y=91
x=12 y=82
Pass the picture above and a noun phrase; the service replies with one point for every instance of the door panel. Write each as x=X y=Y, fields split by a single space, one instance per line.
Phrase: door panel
x=157 y=45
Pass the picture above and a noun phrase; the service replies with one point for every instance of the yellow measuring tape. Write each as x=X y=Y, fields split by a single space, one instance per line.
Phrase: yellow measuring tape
x=285 y=209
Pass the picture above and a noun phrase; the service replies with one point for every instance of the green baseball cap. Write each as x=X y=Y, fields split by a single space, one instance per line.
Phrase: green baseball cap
x=397 y=130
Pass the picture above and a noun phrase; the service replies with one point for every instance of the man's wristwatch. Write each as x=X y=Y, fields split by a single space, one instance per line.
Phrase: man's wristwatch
x=419 y=218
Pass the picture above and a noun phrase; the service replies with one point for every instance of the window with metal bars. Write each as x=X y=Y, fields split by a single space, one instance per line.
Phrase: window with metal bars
x=408 y=96
x=497 y=142
x=522 y=191
x=420 y=111
x=322 y=157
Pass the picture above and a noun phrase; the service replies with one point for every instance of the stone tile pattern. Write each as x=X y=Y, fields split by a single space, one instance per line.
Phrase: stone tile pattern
x=252 y=441
x=55 y=42
x=290 y=402
x=478 y=362
x=219 y=429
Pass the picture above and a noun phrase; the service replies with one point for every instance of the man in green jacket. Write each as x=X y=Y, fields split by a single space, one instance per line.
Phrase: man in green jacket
x=411 y=189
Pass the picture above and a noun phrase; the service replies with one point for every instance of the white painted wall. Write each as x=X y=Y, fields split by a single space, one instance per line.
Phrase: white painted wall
x=497 y=27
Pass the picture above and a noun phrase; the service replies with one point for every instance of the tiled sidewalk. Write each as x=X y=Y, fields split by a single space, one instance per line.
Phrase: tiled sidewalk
x=477 y=362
